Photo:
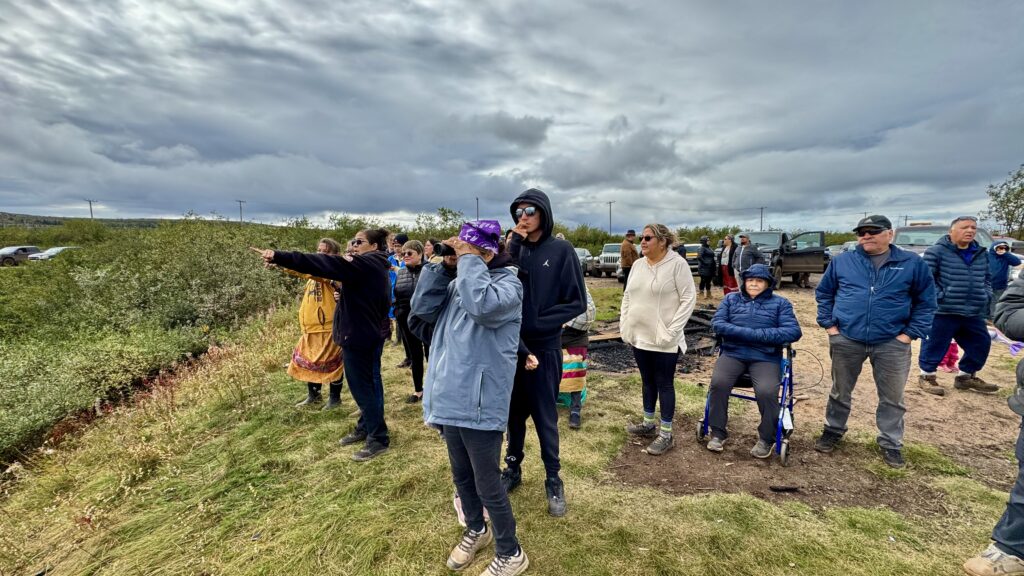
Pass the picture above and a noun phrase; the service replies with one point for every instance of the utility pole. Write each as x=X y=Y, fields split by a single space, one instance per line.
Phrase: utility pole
x=90 y=206
x=762 y=218
x=610 y=215
x=478 y=208
x=240 y=202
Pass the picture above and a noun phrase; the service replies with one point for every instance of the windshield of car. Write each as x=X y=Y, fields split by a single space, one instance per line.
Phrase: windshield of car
x=763 y=238
x=611 y=248
x=928 y=235
x=582 y=252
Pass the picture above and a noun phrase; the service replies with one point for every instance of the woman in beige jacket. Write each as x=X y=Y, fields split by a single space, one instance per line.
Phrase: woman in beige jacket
x=656 y=306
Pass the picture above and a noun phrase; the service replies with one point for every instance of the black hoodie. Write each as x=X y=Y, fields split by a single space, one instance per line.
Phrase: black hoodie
x=553 y=289
x=366 y=292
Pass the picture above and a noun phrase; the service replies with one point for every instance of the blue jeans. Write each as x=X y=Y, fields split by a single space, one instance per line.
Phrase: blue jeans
x=475 y=456
x=362 y=367
x=1009 y=531
x=970 y=333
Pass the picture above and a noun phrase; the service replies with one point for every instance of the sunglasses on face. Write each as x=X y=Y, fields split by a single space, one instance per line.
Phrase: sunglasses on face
x=357 y=242
x=529 y=211
x=869 y=232
x=409 y=253
x=647 y=238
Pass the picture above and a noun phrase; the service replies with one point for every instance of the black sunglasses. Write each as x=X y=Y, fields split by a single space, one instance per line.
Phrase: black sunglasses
x=529 y=211
x=869 y=232
x=408 y=253
x=647 y=238
x=357 y=242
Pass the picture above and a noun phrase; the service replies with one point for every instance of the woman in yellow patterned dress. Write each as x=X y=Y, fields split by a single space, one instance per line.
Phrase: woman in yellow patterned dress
x=316 y=359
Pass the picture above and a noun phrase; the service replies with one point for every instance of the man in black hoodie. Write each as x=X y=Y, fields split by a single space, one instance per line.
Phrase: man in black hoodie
x=553 y=294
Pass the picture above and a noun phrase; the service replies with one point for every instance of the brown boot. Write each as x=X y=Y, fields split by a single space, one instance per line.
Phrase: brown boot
x=930 y=384
x=972 y=382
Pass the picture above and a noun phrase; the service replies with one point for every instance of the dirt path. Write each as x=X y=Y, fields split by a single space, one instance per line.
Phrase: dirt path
x=974 y=430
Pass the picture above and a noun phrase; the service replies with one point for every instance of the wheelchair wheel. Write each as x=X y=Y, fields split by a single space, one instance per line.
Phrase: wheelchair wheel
x=701 y=435
x=784 y=453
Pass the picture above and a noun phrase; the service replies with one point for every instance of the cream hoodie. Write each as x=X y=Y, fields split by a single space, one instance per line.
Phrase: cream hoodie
x=657 y=304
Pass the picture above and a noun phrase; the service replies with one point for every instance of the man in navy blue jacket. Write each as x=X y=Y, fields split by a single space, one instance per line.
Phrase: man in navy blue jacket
x=873 y=301
x=963 y=289
x=553 y=294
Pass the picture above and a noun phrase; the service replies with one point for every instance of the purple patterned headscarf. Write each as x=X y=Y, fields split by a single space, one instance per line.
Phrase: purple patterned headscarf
x=482 y=234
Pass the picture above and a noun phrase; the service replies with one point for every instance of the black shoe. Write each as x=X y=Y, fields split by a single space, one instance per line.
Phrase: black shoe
x=827 y=442
x=353 y=437
x=414 y=398
x=404 y=364
x=574 y=420
x=556 y=496
x=333 y=397
x=893 y=457
x=312 y=396
x=511 y=477
x=370 y=451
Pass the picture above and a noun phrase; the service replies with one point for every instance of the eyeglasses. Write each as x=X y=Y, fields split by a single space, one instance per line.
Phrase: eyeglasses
x=962 y=218
x=529 y=211
x=647 y=238
x=357 y=242
x=869 y=232
x=409 y=253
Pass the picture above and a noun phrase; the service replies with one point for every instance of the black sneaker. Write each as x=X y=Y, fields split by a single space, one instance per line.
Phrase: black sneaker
x=404 y=364
x=642 y=430
x=826 y=443
x=370 y=451
x=556 y=496
x=574 y=420
x=353 y=437
x=413 y=398
x=893 y=457
x=511 y=477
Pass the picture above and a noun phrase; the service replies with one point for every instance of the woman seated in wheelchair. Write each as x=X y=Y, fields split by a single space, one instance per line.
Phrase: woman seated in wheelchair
x=754 y=325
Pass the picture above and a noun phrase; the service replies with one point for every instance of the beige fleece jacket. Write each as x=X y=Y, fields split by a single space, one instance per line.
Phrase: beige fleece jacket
x=657 y=304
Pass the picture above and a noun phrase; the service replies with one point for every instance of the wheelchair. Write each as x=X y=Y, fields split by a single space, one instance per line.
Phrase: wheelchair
x=786 y=401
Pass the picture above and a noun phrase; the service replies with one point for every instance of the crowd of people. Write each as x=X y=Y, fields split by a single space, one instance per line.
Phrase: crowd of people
x=502 y=321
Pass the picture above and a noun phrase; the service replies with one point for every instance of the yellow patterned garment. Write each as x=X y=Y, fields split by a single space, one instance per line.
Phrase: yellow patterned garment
x=574 y=370
x=316 y=357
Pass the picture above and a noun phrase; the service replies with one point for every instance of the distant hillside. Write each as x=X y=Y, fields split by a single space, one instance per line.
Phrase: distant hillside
x=29 y=221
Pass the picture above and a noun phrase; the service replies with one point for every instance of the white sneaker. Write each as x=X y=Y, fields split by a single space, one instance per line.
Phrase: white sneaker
x=507 y=565
x=462 y=555
x=992 y=562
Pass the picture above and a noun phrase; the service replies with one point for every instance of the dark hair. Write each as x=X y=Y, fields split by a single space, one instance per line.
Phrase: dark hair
x=333 y=247
x=378 y=236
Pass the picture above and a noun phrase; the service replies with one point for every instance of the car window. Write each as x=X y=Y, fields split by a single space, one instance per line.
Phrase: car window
x=763 y=238
x=611 y=247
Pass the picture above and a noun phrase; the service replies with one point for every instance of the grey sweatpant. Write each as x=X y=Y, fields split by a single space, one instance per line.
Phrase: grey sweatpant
x=890 y=365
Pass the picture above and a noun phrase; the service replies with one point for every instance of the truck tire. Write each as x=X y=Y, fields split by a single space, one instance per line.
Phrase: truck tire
x=10 y=262
x=777 y=273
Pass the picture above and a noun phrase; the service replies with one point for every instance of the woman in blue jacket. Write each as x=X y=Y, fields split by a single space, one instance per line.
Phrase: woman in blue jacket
x=1000 y=260
x=754 y=325
x=468 y=388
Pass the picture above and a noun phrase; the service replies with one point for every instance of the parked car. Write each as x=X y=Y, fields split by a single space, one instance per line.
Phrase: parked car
x=791 y=255
x=49 y=254
x=586 y=260
x=917 y=239
x=14 y=255
x=835 y=249
x=608 y=261
x=850 y=245
x=689 y=251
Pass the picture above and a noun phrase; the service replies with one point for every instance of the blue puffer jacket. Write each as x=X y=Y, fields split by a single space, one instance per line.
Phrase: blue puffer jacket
x=474 y=349
x=999 y=266
x=872 y=306
x=960 y=288
x=755 y=329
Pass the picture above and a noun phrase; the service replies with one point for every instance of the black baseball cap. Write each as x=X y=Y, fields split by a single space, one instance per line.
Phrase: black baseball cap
x=630 y=231
x=874 y=221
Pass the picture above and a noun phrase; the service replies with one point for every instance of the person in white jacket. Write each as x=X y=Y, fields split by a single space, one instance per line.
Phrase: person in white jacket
x=656 y=306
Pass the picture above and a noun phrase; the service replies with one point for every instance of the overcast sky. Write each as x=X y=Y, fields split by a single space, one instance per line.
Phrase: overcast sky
x=680 y=112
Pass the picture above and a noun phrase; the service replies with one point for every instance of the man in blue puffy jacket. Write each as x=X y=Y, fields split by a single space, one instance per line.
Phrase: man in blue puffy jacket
x=873 y=301
x=963 y=289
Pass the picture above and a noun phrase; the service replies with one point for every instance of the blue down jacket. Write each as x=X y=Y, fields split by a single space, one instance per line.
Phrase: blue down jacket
x=475 y=342
x=960 y=288
x=755 y=329
x=872 y=306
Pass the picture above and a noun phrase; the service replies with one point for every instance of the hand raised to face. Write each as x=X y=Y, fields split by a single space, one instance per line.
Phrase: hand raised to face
x=461 y=247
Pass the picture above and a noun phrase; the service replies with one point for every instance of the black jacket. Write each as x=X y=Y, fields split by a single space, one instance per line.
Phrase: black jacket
x=705 y=261
x=553 y=289
x=405 y=285
x=366 y=292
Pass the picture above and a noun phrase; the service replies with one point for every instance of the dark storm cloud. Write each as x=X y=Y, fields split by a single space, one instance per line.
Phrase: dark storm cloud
x=684 y=112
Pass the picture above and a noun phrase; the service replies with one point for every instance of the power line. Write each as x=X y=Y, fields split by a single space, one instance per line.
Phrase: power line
x=240 y=202
x=90 y=206
x=610 y=202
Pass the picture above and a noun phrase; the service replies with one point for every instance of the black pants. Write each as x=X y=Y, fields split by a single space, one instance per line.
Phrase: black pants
x=625 y=277
x=575 y=402
x=764 y=375
x=475 y=456
x=705 y=282
x=362 y=367
x=535 y=394
x=658 y=372
x=415 y=351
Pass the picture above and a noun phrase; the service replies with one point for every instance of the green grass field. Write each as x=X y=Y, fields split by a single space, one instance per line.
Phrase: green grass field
x=219 y=474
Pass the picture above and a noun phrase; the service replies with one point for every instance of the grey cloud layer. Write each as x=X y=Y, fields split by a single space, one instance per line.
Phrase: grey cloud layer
x=677 y=111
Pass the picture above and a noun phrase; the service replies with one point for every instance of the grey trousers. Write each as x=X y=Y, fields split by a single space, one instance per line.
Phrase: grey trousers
x=765 y=376
x=890 y=365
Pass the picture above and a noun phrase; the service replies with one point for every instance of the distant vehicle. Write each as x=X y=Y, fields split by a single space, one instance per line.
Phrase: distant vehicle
x=608 y=261
x=835 y=249
x=14 y=255
x=586 y=260
x=850 y=246
x=917 y=239
x=49 y=254
x=791 y=255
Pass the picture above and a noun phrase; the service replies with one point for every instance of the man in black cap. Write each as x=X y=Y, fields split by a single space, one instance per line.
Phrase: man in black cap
x=873 y=301
x=628 y=255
